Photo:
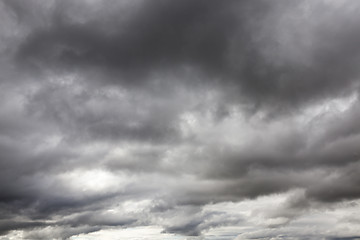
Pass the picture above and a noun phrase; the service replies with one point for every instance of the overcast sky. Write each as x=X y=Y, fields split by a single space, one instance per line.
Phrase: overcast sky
x=180 y=119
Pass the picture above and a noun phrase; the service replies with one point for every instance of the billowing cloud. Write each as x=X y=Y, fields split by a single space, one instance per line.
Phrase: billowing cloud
x=185 y=119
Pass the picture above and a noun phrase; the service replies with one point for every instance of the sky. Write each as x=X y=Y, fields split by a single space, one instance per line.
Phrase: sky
x=179 y=119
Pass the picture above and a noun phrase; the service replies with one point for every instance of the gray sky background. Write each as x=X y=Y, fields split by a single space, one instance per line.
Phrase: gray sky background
x=181 y=119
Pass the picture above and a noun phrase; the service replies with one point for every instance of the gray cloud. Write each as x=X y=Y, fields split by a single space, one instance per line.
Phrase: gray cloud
x=213 y=38
x=345 y=238
x=125 y=114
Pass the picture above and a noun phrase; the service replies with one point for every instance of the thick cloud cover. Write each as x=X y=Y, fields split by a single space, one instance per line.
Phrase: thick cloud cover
x=187 y=119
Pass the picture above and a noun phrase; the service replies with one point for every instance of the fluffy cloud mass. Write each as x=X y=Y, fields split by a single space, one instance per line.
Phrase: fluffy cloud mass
x=183 y=119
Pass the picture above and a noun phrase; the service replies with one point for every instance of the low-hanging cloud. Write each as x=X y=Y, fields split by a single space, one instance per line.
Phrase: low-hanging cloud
x=183 y=115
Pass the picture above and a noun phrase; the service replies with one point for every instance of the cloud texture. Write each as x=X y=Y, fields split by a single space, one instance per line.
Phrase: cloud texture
x=184 y=119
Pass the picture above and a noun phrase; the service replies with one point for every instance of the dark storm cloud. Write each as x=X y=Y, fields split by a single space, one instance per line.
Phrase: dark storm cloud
x=200 y=224
x=18 y=167
x=92 y=113
x=192 y=221
x=255 y=184
x=294 y=149
x=161 y=34
x=98 y=219
x=152 y=93
x=223 y=39
x=60 y=233
x=6 y=226
x=344 y=238
x=344 y=185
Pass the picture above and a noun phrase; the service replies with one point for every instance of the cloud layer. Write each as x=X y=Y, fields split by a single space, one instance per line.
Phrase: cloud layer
x=194 y=119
